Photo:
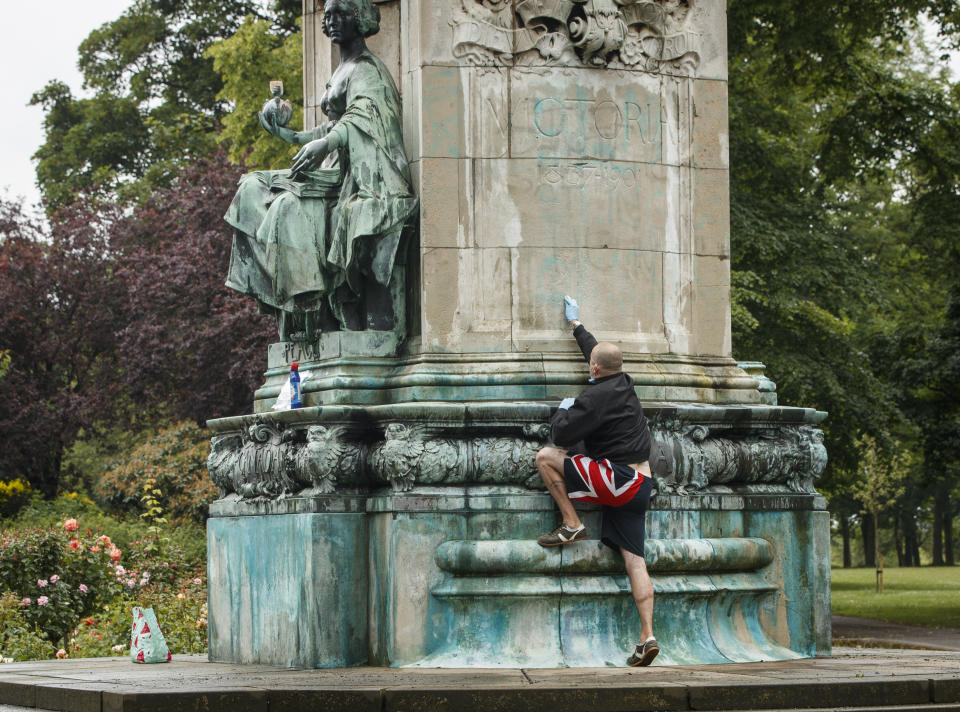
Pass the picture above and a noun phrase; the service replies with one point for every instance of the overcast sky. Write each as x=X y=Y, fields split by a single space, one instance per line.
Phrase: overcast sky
x=39 y=43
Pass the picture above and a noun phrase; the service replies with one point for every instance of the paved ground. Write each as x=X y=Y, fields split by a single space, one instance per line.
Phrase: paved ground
x=868 y=632
x=923 y=675
x=850 y=680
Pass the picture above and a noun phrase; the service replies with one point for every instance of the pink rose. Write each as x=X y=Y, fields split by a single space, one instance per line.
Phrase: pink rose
x=54 y=578
x=70 y=525
x=83 y=588
x=198 y=581
x=25 y=601
x=115 y=553
x=74 y=544
x=42 y=601
x=61 y=654
x=42 y=583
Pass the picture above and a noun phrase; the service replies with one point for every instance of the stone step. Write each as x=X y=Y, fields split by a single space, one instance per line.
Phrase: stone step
x=853 y=681
x=932 y=707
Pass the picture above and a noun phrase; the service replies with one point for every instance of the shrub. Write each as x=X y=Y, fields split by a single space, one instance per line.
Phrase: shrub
x=40 y=513
x=175 y=459
x=13 y=495
x=59 y=575
x=19 y=638
x=181 y=611
x=187 y=539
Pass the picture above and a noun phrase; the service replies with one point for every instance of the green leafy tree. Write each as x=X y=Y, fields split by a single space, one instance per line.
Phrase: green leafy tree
x=155 y=105
x=255 y=55
x=832 y=115
x=880 y=485
x=174 y=464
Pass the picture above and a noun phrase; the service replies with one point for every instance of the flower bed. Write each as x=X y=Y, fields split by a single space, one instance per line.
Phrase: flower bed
x=69 y=591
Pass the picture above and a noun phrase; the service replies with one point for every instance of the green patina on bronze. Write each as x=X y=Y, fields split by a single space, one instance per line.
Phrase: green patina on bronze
x=317 y=244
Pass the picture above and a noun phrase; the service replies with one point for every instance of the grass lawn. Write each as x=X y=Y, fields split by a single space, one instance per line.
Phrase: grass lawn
x=919 y=596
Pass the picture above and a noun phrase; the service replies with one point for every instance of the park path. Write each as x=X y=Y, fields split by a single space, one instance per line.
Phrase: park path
x=848 y=630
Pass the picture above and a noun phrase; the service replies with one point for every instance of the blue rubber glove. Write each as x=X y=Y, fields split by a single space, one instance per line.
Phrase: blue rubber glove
x=570 y=308
x=566 y=403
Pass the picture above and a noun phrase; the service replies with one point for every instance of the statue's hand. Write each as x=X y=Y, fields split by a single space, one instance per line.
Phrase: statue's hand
x=310 y=156
x=281 y=132
x=269 y=126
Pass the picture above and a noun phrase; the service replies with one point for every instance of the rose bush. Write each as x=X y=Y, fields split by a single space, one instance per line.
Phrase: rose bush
x=19 y=638
x=59 y=575
x=70 y=589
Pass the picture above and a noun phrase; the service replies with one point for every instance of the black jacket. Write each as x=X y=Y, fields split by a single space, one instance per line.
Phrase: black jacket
x=607 y=416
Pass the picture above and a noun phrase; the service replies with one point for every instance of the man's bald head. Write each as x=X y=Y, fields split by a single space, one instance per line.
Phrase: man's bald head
x=607 y=357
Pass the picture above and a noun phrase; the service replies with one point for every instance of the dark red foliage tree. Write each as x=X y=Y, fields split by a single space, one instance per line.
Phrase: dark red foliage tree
x=59 y=308
x=190 y=347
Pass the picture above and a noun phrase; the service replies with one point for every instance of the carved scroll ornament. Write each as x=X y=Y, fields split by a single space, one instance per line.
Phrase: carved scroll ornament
x=269 y=460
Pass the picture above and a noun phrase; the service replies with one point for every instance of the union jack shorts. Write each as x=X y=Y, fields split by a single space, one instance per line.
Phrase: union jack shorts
x=600 y=481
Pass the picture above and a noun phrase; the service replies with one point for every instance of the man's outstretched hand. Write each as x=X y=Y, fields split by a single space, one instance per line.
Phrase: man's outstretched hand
x=570 y=308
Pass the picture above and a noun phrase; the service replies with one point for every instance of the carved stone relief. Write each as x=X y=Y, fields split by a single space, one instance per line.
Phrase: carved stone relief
x=687 y=458
x=635 y=34
x=269 y=460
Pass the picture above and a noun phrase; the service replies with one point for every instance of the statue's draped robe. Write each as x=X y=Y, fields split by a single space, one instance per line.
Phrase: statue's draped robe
x=299 y=245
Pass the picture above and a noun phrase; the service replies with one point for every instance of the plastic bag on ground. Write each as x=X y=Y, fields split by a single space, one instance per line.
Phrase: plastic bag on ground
x=146 y=641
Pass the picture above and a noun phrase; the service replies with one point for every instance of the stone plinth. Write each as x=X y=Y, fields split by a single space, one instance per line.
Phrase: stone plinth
x=416 y=523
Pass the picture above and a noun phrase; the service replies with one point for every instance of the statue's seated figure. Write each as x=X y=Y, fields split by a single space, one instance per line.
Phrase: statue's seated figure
x=316 y=245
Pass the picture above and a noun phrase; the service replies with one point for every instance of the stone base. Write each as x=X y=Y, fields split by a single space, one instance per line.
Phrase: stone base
x=404 y=535
x=452 y=577
x=289 y=589
x=371 y=375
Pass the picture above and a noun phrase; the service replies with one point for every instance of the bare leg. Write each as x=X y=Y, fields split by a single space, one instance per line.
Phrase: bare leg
x=642 y=589
x=550 y=464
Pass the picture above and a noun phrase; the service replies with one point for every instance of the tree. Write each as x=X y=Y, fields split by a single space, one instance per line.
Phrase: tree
x=880 y=486
x=191 y=348
x=833 y=115
x=246 y=62
x=60 y=306
x=155 y=106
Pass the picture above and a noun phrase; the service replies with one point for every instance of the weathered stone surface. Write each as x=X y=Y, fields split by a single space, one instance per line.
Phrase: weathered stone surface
x=572 y=203
x=589 y=114
x=667 y=38
x=459 y=311
x=605 y=144
x=18 y=690
x=324 y=450
x=785 y=694
x=459 y=112
x=78 y=696
x=288 y=590
x=185 y=700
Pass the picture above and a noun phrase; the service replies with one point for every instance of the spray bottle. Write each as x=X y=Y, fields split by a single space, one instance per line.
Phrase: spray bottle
x=295 y=399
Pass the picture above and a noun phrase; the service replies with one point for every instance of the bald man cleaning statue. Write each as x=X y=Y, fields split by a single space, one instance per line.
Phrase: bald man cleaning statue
x=614 y=471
